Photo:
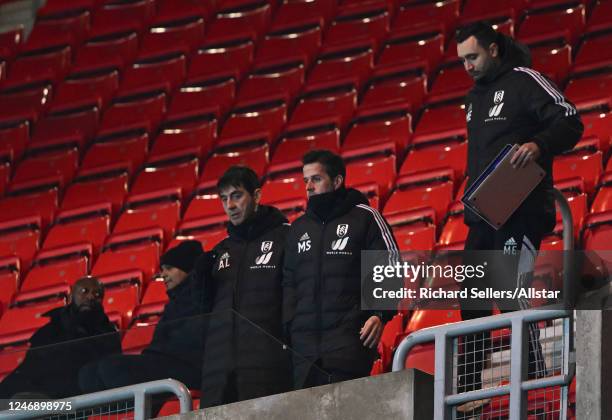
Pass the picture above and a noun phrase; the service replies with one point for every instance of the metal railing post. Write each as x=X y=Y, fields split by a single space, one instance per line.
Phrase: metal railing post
x=518 y=370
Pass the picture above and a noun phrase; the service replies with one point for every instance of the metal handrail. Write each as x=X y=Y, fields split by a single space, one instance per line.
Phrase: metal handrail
x=141 y=393
x=444 y=334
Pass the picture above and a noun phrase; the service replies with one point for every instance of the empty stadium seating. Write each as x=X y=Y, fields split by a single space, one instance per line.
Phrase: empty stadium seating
x=117 y=119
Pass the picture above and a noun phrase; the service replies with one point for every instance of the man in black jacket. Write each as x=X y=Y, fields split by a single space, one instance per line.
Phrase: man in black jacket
x=75 y=335
x=322 y=277
x=244 y=357
x=510 y=103
x=176 y=348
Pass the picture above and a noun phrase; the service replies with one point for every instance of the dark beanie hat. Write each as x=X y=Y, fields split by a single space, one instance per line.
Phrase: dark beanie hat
x=183 y=256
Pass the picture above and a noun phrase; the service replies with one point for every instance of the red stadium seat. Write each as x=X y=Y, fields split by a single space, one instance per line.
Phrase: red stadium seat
x=112 y=146
x=430 y=189
x=553 y=62
x=155 y=293
x=250 y=18
x=299 y=140
x=320 y=102
x=446 y=13
x=598 y=232
x=392 y=335
x=218 y=93
x=89 y=224
x=87 y=87
x=198 y=133
x=168 y=70
x=26 y=67
x=221 y=57
x=18 y=324
x=182 y=35
x=20 y=238
x=10 y=42
x=588 y=167
x=599 y=125
x=43 y=278
x=454 y=229
x=116 y=17
x=578 y=208
x=352 y=62
x=25 y=102
x=267 y=115
x=14 y=136
x=590 y=91
x=10 y=358
x=9 y=280
x=483 y=8
x=61 y=29
x=564 y=23
x=122 y=300
x=283 y=190
x=175 y=9
x=98 y=186
x=256 y=158
x=407 y=47
x=144 y=109
x=209 y=231
x=112 y=51
x=292 y=209
x=452 y=82
x=414 y=230
x=451 y=155
x=179 y=169
x=603 y=199
x=371 y=164
x=369 y=21
x=161 y=208
x=138 y=250
x=137 y=338
x=300 y=42
x=62 y=164
x=594 y=53
x=395 y=85
x=389 y=124
x=202 y=206
x=297 y=13
x=441 y=123
x=55 y=7
x=600 y=17
x=71 y=125
x=5 y=170
x=41 y=203
x=280 y=78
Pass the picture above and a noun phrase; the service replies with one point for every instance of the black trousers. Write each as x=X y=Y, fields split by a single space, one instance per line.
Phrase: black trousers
x=516 y=244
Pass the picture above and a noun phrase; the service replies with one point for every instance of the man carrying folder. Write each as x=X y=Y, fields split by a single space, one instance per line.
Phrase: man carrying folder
x=510 y=103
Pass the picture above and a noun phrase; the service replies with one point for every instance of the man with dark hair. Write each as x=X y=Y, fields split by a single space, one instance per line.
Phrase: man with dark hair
x=243 y=357
x=322 y=276
x=176 y=348
x=510 y=103
x=75 y=335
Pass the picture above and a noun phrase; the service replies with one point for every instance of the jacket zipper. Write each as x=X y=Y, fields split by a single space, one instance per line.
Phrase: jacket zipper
x=318 y=289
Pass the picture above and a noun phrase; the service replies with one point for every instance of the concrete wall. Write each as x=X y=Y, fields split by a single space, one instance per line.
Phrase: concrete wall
x=16 y=13
x=400 y=395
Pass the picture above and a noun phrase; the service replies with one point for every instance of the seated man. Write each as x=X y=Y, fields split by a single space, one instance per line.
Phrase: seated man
x=76 y=334
x=176 y=348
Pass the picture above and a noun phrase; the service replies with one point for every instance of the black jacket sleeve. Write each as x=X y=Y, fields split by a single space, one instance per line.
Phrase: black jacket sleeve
x=562 y=127
x=380 y=237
